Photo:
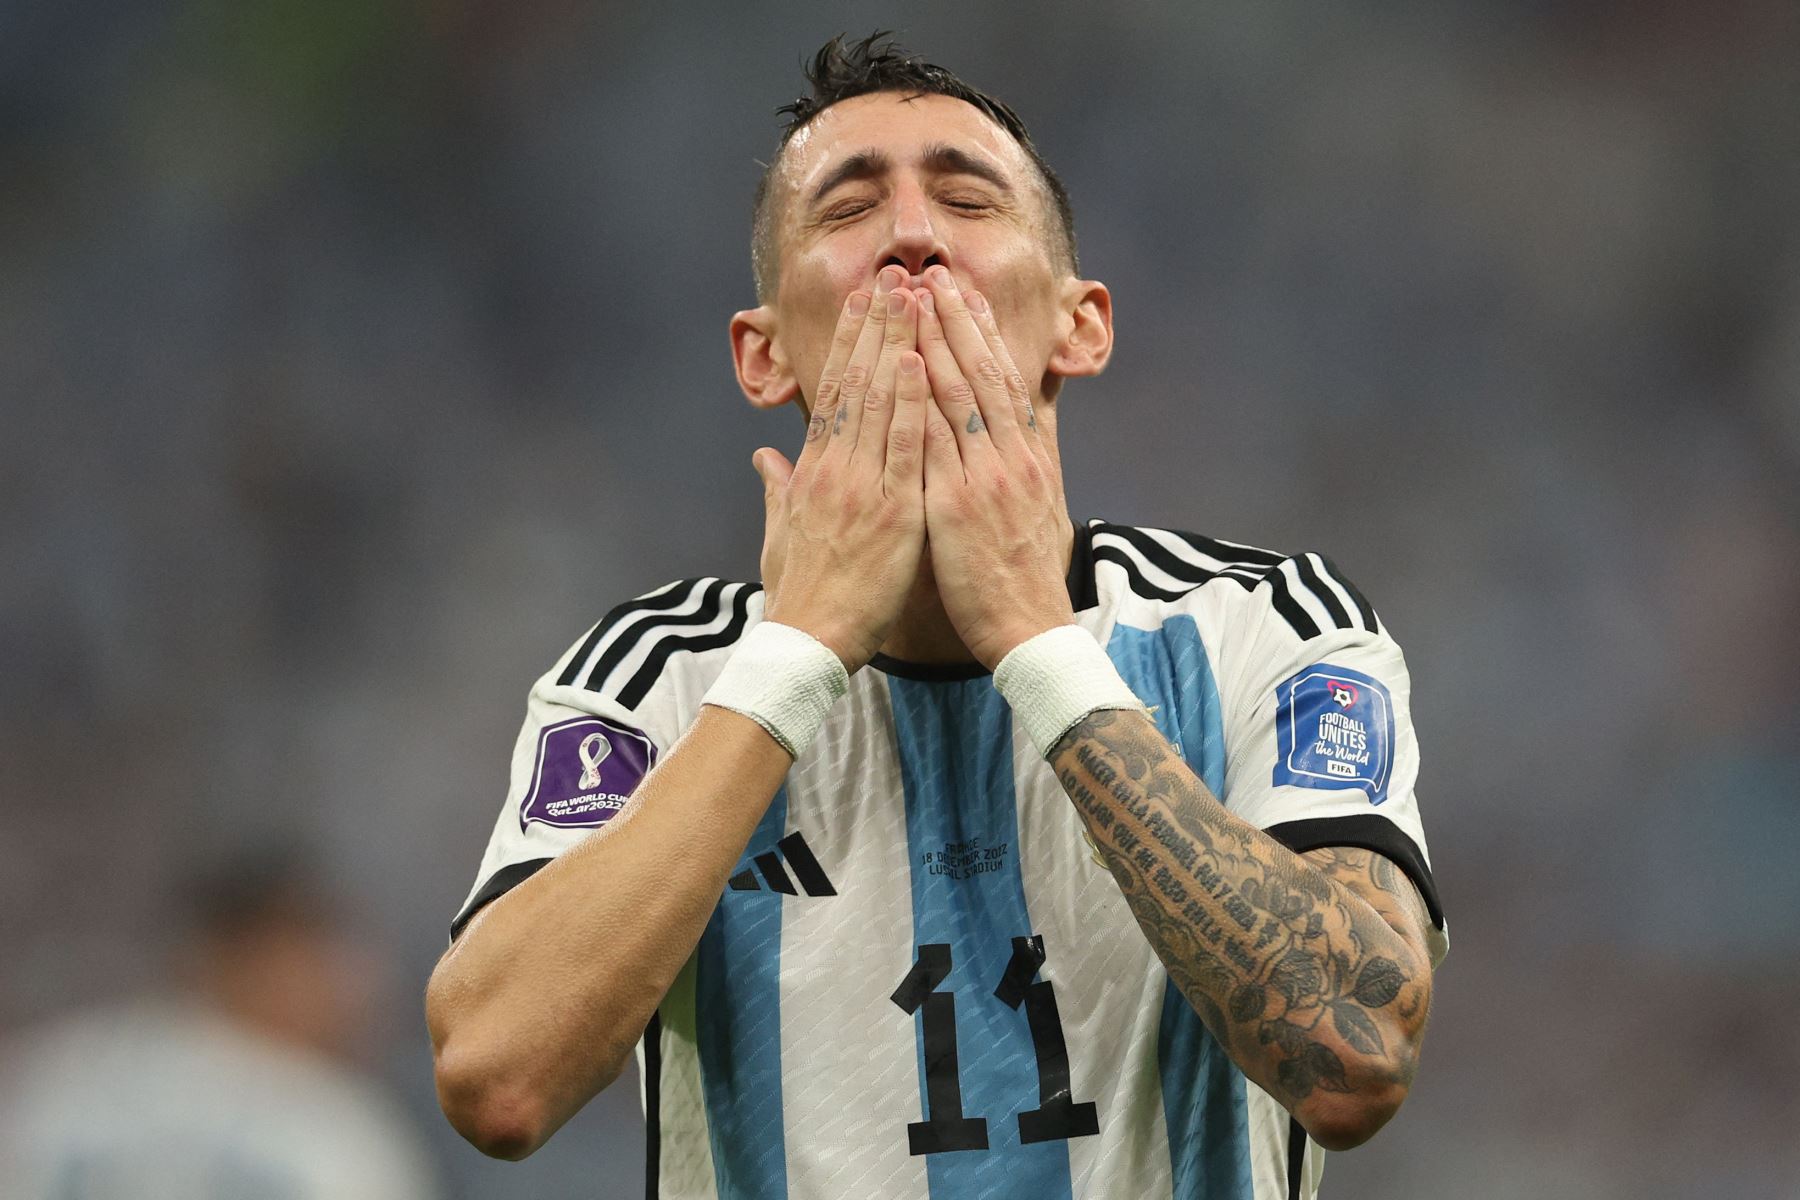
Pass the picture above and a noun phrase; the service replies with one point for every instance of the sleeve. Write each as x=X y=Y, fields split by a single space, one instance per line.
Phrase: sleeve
x=1320 y=749
x=591 y=734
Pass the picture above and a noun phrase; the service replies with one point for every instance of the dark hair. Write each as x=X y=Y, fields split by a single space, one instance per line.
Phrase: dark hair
x=839 y=72
x=250 y=888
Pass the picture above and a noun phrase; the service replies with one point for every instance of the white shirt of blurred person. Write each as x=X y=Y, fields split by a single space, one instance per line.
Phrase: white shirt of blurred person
x=233 y=1085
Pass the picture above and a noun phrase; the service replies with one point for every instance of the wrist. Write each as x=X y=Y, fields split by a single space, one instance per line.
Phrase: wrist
x=997 y=650
x=784 y=679
x=1055 y=678
x=837 y=638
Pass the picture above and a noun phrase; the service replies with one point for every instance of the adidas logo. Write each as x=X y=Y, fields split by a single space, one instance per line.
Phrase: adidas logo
x=799 y=857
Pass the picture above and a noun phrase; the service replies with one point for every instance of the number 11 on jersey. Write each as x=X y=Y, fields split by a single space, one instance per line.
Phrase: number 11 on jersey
x=945 y=1127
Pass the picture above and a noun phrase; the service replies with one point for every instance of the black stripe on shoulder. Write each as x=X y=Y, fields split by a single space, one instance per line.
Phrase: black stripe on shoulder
x=1135 y=550
x=1309 y=578
x=1290 y=608
x=647 y=625
x=1364 y=609
x=499 y=883
x=666 y=646
x=1159 y=556
x=1230 y=552
x=660 y=600
x=1134 y=574
x=1365 y=832
x=1211 y=556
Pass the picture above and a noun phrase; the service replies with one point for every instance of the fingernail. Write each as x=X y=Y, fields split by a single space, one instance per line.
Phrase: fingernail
x=944 y=278
x=927 y=303
x=976 y=301
x=859 y=304
x=896 y=303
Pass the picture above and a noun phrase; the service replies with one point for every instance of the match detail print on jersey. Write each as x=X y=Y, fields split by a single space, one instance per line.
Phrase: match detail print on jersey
x=1335 y=729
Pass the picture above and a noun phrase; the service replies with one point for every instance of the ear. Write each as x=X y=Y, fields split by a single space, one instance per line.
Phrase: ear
x=1087 y=342
x=762 y=368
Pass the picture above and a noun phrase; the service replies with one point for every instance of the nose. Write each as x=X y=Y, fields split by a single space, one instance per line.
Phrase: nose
x=914 y=244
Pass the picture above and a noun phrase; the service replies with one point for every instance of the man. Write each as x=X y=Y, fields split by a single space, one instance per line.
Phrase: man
x=236 y=1082
x=976 y=853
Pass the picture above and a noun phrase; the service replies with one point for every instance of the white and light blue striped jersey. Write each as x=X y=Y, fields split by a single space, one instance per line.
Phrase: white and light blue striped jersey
x=920 y=983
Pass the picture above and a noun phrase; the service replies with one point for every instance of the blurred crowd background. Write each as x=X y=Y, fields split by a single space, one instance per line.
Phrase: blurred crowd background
x=356 y=355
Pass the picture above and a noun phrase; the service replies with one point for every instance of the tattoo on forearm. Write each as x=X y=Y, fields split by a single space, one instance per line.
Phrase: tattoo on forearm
x=1286 y=963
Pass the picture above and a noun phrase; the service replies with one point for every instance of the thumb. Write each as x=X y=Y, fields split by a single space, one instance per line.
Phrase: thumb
x=775 y=470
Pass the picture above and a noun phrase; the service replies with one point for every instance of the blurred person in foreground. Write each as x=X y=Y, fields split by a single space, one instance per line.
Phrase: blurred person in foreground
x=233 y=1086
x=976 y=851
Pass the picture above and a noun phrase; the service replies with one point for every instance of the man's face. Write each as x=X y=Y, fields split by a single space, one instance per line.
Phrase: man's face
x=882 y=178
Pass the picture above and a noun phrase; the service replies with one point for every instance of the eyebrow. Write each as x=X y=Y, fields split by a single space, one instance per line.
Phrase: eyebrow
x=941 y=158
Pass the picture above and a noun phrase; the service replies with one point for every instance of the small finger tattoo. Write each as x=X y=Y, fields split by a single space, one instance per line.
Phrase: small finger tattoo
x=815 y=427
x=975 y=425
x=1030 y=417
x=837 y=422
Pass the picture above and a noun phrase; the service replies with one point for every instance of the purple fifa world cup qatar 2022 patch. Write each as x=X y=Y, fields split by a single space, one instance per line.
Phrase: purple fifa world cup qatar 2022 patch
x=586 y=770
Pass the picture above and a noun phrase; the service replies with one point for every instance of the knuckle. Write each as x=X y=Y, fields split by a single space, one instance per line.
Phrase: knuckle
x=990 y=370
x=960 y=393
x=855 y=375
x=1015 y=383
x=903 y=441
x=828 y=392
x=877 y=399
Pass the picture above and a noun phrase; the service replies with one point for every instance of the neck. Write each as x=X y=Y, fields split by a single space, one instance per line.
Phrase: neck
x=924 y=633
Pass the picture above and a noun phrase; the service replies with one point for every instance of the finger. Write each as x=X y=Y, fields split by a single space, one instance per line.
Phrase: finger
x=899 y=337
x=954 y=394
x=1017 y=391
x=943 y=461
x=979 y=365
x=825 y=400
x=905 y=470
x=859 y=371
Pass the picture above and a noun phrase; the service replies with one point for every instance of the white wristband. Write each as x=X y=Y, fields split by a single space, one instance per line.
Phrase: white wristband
x=1058 y=677
x=785 y=680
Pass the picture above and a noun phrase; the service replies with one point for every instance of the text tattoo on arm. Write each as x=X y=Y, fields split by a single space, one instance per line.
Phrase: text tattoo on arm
x=1308 y=987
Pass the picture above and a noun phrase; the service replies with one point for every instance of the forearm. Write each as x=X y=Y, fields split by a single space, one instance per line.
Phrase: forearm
x=539 y=1002
x=1312 y=993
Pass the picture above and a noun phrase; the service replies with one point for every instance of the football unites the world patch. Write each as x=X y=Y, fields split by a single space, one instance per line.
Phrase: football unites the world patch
x=586 y=770
x=1334 y=729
